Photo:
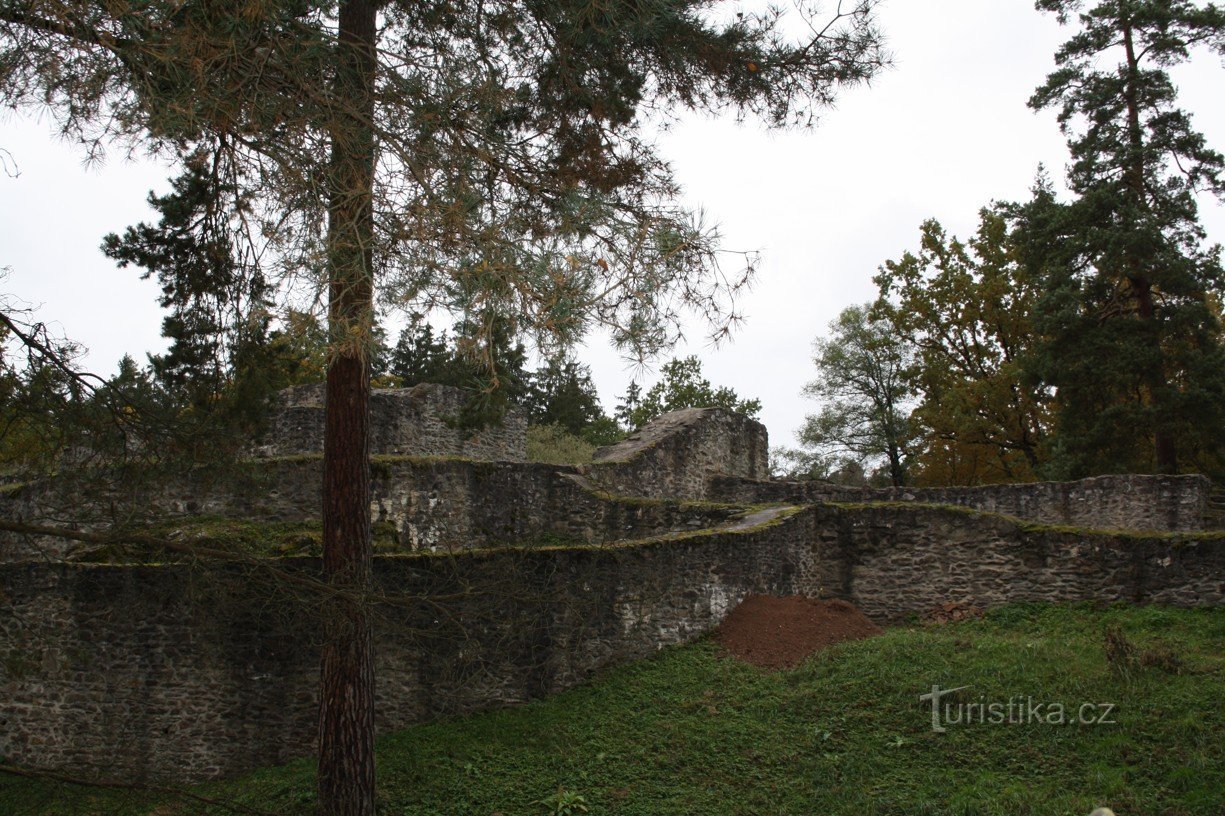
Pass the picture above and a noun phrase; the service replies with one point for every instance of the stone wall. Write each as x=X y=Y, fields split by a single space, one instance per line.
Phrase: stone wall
x=162 y=672
x=433 y=504
x=143 y=672
x=417 y=421
x=1127 y=502
x=165 y=672
x=893 y=560
x=677 y=454
x=171 y=672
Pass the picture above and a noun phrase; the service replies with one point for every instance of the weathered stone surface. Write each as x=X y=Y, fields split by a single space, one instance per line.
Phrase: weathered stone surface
x=166 y=672
x=1125 y=502
x=892 y=560
x=141 y=672
x=169 y=672
x=676 y=455
x=433 y=504
x=417 y=421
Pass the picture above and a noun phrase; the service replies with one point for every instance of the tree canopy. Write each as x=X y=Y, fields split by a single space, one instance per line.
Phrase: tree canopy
x=967 y=310
x=1069 y=338
x=864 y=382
x=681 y=385
x=1134 y=345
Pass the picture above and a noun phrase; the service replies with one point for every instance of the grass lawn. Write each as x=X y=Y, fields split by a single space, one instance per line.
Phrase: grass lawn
x=689 y=732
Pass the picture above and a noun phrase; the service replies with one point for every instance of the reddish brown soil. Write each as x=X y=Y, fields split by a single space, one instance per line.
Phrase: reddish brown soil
x=775 y=633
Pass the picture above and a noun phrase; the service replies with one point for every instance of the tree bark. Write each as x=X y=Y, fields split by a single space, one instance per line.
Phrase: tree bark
x=1165 y=448
x=346 y=693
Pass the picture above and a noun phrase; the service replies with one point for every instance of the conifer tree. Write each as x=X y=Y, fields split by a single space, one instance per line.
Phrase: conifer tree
x=1134 y=347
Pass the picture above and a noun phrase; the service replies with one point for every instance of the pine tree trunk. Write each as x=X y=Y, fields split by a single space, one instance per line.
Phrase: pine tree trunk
x=1165 y=449
x=346 y=694
x=1154 y=375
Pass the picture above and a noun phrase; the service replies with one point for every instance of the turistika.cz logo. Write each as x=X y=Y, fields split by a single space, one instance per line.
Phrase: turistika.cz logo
x=1016 y=710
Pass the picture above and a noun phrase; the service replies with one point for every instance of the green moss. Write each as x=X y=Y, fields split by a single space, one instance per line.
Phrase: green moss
x=550 y=541
x=912 y=505
x=642 y=501
x=259 y=538
x=13 y=488
x=288 y=459
x=386 y=537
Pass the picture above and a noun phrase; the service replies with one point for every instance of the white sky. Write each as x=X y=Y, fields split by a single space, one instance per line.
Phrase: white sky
x=940 y=135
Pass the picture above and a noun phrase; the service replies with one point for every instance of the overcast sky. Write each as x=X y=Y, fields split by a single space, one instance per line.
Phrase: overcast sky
x=941 y=134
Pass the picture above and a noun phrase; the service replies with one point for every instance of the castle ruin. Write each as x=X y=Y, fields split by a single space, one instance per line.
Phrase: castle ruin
x=503 y=580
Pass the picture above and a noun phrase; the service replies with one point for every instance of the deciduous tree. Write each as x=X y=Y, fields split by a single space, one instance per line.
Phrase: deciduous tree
x=967 y=309
x=863 y=382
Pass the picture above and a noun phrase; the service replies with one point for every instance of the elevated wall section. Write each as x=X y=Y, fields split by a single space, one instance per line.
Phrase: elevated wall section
x=417 y=421
x=676 y=455
x=433 y=504
x=1125 y=502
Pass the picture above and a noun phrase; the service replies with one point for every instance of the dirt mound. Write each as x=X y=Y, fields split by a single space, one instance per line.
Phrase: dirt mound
x=779 y=632
x=951 y=612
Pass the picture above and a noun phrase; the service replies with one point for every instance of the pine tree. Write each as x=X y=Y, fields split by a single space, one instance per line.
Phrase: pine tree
x=1134 y=347
x=561 y=393
x=216 y=301
x=420 y=356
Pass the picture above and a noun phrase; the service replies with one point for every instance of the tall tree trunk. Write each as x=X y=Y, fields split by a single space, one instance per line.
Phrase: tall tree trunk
x=1163 y=441
x=897 y=476
x=346 y=694
x=1154 y=375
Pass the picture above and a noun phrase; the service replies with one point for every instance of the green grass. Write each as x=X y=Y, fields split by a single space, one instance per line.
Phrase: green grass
x=689 y=732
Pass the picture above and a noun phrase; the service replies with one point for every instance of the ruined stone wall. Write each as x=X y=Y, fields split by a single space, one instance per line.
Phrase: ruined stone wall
x=417 y=421
x=677 y=454
x=1125 y=502
x=892 y=560
x=439 y=505
x=136 y=673
x=432 y=504
x=140 y=672
x=150 y=672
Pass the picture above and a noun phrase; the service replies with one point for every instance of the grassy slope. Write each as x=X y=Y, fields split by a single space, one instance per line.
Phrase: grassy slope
x=689 y=732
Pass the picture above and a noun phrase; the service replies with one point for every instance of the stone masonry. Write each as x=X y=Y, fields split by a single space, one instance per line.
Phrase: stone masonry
x=1126 y=502
x=678 y=454
x=417 y=421
x=515 y=580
